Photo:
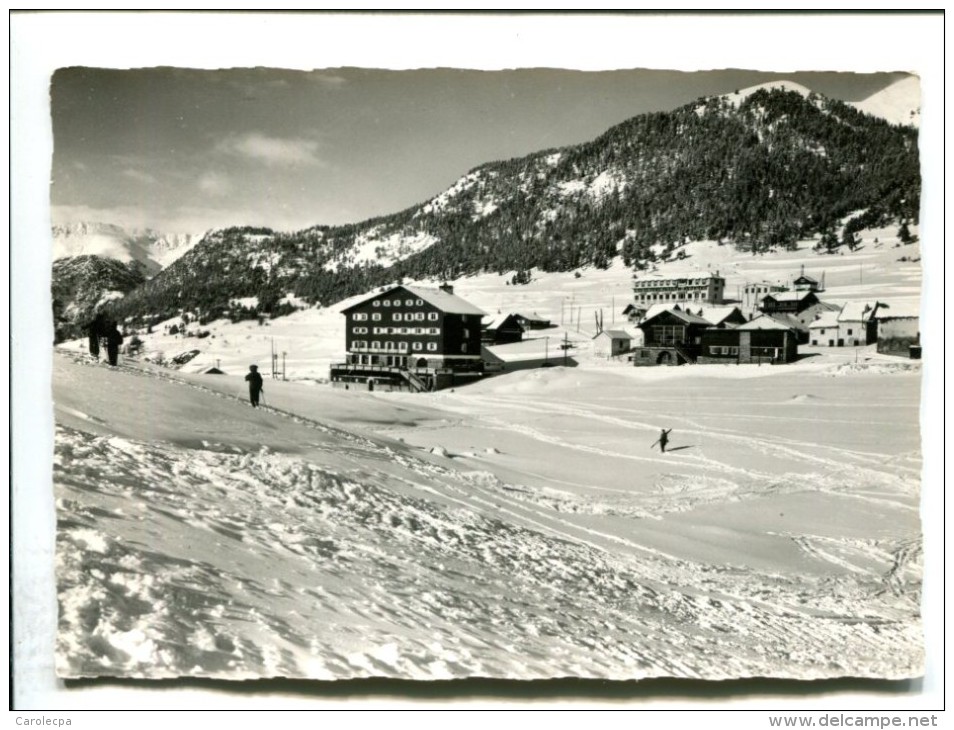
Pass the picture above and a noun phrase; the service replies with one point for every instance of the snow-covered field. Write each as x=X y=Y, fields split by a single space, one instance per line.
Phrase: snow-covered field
x=519 y=527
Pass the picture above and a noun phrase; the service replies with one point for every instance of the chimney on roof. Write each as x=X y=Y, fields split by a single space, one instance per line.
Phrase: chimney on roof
x=447 y=287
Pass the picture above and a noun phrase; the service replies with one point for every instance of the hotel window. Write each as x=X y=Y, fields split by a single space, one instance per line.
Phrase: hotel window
x=849 y=332
x=432 y=346
x=432 y=316
x=463 y=348
x=466 y=332
x=389 y=345
x=360 y=317
x=397 y=316
x=360 y=330
x=420 y=302
x=419 y=316
x=376 y=303
x=387 y=302
x=402 y=347
x=408 y=302
x=375 y=345
x=433 y=330
x=376 y=317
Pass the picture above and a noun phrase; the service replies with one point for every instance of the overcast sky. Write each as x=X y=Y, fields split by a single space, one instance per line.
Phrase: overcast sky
x=186 y=150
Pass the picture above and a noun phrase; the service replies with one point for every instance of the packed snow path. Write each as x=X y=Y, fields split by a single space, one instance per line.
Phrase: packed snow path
x=200 y=536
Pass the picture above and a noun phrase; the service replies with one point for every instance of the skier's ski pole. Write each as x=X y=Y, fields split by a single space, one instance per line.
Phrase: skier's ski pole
x=263 y=397
x=654 y=443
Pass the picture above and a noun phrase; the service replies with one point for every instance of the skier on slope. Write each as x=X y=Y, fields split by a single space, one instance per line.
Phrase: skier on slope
x=254 y=384
x=114 y=339
x=664 y=439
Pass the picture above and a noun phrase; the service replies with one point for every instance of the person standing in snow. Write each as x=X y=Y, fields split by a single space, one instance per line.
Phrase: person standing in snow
x=96 y=329
x=254 y=384
x=664 y=439
x=114 y=339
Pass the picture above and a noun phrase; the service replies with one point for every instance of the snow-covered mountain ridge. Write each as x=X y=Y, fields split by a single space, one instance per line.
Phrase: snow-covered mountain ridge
x=899 y=103
x=758 y=169
x=153 y=249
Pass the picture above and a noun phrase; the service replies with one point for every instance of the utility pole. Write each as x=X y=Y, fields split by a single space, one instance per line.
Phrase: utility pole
x=283 y=364
x=566 y=347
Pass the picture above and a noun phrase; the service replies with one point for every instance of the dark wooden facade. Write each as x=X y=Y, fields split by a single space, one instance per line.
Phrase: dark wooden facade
x=503 y=330
x=671 y=337
x=413 y=336
x=748 y=346
x=788 y=302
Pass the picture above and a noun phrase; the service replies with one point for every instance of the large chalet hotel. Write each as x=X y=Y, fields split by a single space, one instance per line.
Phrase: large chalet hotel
x=411 y=338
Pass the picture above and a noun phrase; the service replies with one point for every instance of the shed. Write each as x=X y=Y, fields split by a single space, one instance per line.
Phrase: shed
x=610 y=343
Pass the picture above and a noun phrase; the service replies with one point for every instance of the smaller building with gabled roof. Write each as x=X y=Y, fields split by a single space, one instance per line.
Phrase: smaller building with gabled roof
x=823 y=332
x=899 y=330
x=502 y=329
x=857 y=325
x=610 y=343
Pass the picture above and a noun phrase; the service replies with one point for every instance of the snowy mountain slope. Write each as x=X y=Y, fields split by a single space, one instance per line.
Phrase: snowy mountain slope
x=899 y=103
x=198 y=536
x=757 y=170
x=82 y=285
x=152 y=249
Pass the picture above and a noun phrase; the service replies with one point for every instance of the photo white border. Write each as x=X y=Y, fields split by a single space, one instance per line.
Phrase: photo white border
x=40 y=43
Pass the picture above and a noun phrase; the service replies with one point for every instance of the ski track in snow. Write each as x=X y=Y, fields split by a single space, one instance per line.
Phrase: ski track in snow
x=365 y=560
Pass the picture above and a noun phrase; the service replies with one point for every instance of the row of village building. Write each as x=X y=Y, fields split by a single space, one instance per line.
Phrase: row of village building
x=688 y=321
x=422 y=338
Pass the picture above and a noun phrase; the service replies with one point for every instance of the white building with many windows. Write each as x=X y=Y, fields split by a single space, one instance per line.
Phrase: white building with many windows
x=703 y=288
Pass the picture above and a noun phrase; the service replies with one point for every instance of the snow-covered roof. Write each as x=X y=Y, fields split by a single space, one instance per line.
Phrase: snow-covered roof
x=500 y=319
x=716 y=314
x=680 y=314
x=765 y=322
x=856 y=312
x=533 y=317
x=658 y=307
x=615 y=334
x=807 y=279
x=788 y=296
x=443 y=300
x=685 y=276
x=826 y=319
x=893 y=311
